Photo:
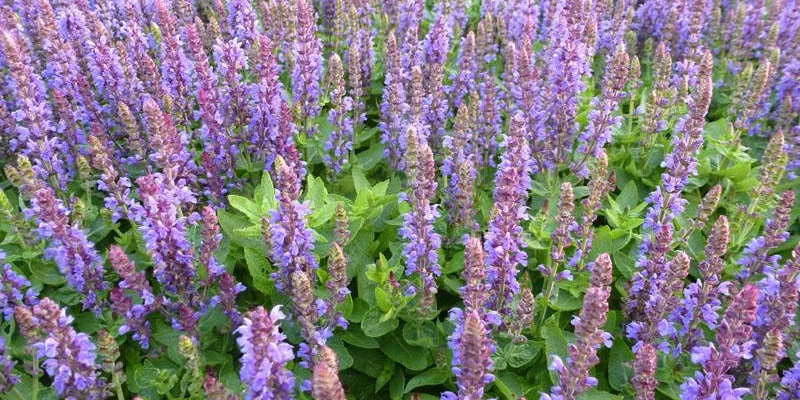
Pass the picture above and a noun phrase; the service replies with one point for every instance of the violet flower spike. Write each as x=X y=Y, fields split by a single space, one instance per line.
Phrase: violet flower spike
x=504 y=242
x=422 y=241
x=265 y=355
x=307 y=72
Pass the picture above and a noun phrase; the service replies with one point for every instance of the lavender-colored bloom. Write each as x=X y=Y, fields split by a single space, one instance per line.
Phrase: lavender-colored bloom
x=307 y=72
x=756 y=256
x=464 y=81
x=601 y=119
x=35 y=133
x=117 y=187
x=562 y=236
x=176 y=69
x=291 y=241
x=134 y=281
x=265 y=354
x=472 y=350
x=436 y=47
x=567 y=61
x=589 y=334
x=242 y=21
x=666 y=200
x=732 y=344
x=423 y=243
x=701 y=302
x=458 y=167
x=12 y=289
x=393 y=106
x=216 y=158
x=325 y=383
x=340 y=142
x=490 y=119
x=70 y=247
x=7 y=377
x=337 y=284
x=165 y=232
x=504 y=242
x=169 y=146
x=790 y=384
x=69 y=356
x=271 y=127
x=601 y=183
x=231 y=62
x=644 y=367
x=778 y=296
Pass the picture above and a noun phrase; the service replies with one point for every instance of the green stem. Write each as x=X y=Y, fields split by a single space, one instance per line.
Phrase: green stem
x=35 y=380
x=117 y=385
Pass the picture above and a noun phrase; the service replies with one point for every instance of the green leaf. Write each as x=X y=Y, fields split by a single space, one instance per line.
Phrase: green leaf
x=431 y=377
x=344 y=357
x=259 y=267
x=46 y=272
x=234 y=225
x=511 y=385
x=356 y=337
x=383 y=299
x=566 y=302
x=595 y=394
x=629 y=196
x=620 y=371
x=246 y=207
x=374 y=327
x=385 y=375
x=359 y=180
x=518 y=355
x=367 y=361
x=422 y=334
x=265 y=193
x=397 y=384
x=412 y=357
x=555 y=343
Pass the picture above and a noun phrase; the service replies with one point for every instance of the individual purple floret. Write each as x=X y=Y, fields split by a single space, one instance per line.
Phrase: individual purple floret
x=265 y=354
x=291 y=241
x=472 y=354
x=70 y=247
x=718 y=358
x=69 y=357
x=307 y=72
x=423 y=243
x=504 y=242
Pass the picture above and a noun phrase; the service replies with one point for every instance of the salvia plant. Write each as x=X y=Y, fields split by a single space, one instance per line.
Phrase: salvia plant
x=399 y=199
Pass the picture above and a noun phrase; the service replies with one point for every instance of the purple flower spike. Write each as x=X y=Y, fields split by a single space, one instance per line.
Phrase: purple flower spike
x=291 y=241
x=265 y=354
x=69 y=357
x=70 y=247
x=504 y=242
x=589 y=336
x=307 y=72
x=717 y=358
x=472 y=350
x=423 y=243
